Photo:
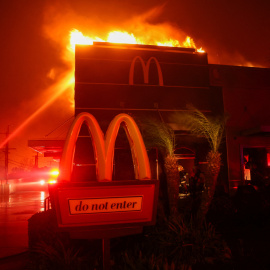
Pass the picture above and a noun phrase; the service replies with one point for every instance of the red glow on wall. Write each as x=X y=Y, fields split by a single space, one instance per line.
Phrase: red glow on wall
x=268 y=159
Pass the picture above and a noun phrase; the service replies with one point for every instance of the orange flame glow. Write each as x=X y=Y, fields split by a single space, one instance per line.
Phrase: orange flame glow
x=76 y=37
x=61 y=87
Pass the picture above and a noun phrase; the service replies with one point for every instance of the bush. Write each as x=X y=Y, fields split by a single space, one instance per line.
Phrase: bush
x=51 y=249
x=42 y=227
x=184 y=242
x=177 y=244
x=172 y=244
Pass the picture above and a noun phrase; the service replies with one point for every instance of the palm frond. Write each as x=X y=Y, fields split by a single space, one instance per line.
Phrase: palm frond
x=160 y=135
x=210 y=128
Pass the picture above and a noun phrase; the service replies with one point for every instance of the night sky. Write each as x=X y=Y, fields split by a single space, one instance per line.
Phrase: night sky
x=34 y=36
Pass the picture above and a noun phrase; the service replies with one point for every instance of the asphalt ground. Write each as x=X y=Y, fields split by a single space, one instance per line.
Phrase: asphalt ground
x=20 y=261
x=15 y=210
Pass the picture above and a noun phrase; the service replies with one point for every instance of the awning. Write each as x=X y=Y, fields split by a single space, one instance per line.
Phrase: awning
x=47 y=147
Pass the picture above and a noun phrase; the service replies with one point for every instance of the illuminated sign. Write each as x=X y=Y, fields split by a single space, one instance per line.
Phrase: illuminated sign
x=145 y=68
x=104 y=148
x=113 y=202
x=102 y=203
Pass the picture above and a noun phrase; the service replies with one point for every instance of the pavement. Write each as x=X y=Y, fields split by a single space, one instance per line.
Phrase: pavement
x=16 y=208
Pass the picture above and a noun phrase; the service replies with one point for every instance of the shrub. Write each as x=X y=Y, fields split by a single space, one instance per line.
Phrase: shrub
x=183 y=242
x=51 y=249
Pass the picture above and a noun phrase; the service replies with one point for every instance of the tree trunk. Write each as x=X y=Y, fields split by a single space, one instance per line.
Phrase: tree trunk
x=214 y=163
x=171 y=168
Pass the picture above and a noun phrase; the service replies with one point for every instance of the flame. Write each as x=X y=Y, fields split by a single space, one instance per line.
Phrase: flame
x=77 y=37
x=122 y=37
x=189 y=43
x=200 y=50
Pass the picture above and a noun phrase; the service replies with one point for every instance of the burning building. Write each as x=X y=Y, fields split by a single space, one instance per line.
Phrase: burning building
x=158 y=82
x=147 y=82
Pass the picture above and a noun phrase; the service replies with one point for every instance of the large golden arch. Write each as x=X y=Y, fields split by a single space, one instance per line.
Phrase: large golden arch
x=145 y=70
x=104 y=149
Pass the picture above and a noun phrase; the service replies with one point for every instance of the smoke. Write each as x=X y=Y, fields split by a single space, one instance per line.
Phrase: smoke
x=233 y=58
x=146 y=26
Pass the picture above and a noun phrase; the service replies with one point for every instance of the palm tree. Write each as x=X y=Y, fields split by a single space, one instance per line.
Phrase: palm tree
x=162 y=136
x=213 y=130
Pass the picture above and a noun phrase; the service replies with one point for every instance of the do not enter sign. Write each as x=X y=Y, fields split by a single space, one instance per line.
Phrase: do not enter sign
x=105 y=205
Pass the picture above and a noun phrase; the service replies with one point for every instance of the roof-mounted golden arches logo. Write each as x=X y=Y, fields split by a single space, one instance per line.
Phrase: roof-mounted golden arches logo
x=145 y=68
x=104 y=148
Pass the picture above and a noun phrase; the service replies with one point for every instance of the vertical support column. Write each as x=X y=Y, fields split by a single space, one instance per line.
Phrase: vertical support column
x=36 y=161
x=106 y=253
x=6 y=155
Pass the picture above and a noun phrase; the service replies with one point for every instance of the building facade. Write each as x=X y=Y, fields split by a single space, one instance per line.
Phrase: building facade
x=154 y=82
x=150 y=83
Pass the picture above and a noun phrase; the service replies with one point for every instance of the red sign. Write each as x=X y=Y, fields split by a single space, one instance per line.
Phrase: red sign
x=103 y=205
x=123 y=202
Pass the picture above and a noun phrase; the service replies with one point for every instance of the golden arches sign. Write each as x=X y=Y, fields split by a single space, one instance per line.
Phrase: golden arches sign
x=104 y=148
x=145 y=68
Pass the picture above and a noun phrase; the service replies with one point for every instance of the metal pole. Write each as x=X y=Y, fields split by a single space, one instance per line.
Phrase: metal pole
x=36 y=161
x=157 y=170
x=106 y=253
x=6 y=156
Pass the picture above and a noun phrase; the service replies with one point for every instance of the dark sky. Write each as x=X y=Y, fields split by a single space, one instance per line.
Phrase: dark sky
x=34 y=35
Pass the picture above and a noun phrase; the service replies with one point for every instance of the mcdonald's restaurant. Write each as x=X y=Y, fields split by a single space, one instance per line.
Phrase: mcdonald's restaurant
x=155 y=84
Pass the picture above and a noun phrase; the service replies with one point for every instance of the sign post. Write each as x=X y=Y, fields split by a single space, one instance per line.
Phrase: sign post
x=106 y=253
